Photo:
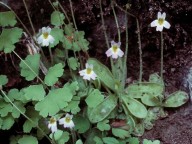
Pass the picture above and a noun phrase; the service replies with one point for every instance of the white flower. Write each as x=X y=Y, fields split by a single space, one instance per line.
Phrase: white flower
x=115 y=50
x=160 y=22
x=88 y=73
x=67 y=121
x=45 y=38
x=52 y=124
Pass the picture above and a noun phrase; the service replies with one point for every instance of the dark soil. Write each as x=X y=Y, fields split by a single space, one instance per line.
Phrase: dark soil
x=176 y=128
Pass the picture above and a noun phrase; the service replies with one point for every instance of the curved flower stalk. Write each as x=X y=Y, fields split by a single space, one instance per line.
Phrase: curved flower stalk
x=88 y=73
x=45 y=38
x=52 y=124
x=160 y=22
x=115 y=50
x=67 y=121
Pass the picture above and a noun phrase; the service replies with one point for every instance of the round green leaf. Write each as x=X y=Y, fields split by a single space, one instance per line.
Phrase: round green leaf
x=136 y=108
x=150 y=100
x=176 y=99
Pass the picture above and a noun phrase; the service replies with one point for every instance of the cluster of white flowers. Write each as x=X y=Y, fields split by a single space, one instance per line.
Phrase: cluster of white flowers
x=66 y=122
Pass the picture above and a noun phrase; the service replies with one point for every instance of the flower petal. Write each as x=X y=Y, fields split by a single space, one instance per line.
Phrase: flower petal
x=109 y=52
x=163 y=16
x=159 y=28
x=166 y=24
x=159 y=15
x=154 y=23
x=113 y=42
x=120 y=53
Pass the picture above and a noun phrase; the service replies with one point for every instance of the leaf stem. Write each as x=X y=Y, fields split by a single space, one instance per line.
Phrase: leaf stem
x=105 y=33
x=26 y=116
x=140 y=52
x=51 y=55
x=161 y=71
x=30 y=68
x=29 y=17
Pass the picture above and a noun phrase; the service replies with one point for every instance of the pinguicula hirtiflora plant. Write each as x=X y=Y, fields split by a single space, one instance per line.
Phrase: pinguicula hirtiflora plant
x=75 y=99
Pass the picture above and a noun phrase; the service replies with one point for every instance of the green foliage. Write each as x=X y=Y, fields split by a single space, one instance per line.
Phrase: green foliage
x=82 y=124
x=34 y=92
x=101 y=111
x=7 y=19
x=53 y=74
x=3 y=80
x=103 y=73
x=69 y=30
x=103 y=125
x=110 y=140
x=176 y=99
x=139 y=89
x=133 y=140
x=57 y=18
x=6 y=122
x=121 y=133
x=34 y=116
x=60 y=137
x=135 y=107
x=28 y=139
x=73 y=63
x=56 y=100
x=94 y=98
x=58 y=36
x=145 y=141
x=73 y=105
x=31 y=61
x=79 y=142
x=8 y=38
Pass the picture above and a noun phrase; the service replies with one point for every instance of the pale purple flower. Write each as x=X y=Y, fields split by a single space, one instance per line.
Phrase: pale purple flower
x=88 y=73
x=67 y=121
x=115 y=50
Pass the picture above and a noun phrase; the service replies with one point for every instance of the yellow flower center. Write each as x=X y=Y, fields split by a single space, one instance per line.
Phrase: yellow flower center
x=89 y=70
x=114 y=48
x=67 y=119
x=160 y=21
x=52 y=120
x=45 y=35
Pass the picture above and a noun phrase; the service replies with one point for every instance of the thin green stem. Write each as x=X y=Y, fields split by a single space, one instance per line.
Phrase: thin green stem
x=73 y=17
x=105 y=33
x=116 y=21
x=140 y=52
x=161 y=72
x=29 y=68
x=26 y=116
x=126 y=52
x=29 y=17
x=64 y=11
x=51 y=55
x=52 y=5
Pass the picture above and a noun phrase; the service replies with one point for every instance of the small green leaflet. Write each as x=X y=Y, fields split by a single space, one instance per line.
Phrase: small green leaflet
x=58 y=36
x=33 y=62
x=57 y=18
x=34 y=116
x=56 y=100
x=82 y=124
x=53 y=74
x=34 y=92
x=103 y=125
x=27 y=139
x=145 y=141
x=7 y=19
x=8 y=38
x=121 y=133
x=110 y=140
x=3 y=80
x=7 y=122
x=73 y=63
x=94 y=98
